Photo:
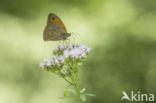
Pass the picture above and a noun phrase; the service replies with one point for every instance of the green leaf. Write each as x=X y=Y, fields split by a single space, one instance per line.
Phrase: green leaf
x=66 y=93
x=82 y=90
x=80 y=63
x=72 y=91
x=83 y=98
x=91 y=95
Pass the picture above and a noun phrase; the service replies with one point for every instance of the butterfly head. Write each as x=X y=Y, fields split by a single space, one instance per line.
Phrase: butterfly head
x=65 y=36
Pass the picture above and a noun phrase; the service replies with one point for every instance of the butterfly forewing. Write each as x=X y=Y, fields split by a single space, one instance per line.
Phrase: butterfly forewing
x=53 y=32
x=55 y=29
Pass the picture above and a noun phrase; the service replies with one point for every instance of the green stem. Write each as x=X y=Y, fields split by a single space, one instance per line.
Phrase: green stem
x=75 y=82
x=68 y=81
x=74 y=78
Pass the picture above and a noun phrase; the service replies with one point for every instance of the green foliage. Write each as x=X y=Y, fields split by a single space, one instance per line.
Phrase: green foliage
x=125 y=63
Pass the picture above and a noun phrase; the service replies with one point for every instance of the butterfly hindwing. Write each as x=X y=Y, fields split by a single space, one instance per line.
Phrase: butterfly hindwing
x=53 y=32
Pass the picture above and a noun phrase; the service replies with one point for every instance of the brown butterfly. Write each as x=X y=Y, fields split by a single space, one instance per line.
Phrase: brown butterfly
x=55 y=29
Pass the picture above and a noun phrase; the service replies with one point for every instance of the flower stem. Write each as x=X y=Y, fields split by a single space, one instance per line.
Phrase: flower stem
x=74 y=78
x=68 y=81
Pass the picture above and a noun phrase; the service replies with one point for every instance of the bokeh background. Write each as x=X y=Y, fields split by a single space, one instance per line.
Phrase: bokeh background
x=121 y=33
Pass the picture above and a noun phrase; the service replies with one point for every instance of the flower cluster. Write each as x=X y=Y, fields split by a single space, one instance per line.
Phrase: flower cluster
x=73 y=51
x=64 y=62
x=63 y=55
x=53 y=61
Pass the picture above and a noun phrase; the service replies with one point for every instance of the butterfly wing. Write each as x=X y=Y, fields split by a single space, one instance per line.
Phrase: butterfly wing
x=53 y=32
x=55 y=29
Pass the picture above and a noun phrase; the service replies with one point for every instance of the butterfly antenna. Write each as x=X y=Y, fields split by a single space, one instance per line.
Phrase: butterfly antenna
x=75 y=35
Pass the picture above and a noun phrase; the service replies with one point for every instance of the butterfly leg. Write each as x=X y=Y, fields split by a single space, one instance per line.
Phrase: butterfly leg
x=66 y=41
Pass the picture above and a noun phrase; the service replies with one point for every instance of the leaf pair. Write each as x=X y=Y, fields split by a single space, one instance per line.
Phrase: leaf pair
x=83 y=95
x=69 y=93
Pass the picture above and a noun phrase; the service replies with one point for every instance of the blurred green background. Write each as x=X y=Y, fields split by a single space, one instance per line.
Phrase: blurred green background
x=121 y=33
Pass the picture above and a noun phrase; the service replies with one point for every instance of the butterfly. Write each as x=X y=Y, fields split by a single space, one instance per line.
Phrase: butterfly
x=55 y=29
